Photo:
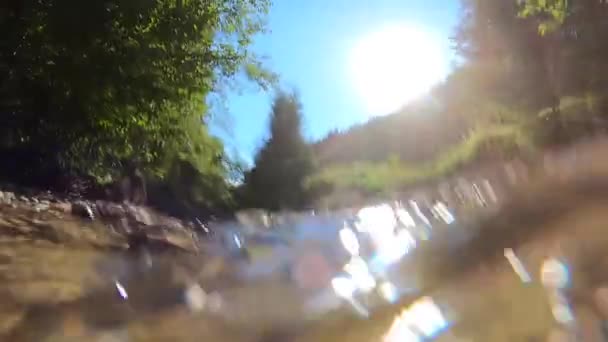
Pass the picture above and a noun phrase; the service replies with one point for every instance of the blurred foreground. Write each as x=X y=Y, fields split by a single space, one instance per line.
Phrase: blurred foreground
x=469 y=264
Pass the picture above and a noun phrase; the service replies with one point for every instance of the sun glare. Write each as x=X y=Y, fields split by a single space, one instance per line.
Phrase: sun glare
x=394 y=66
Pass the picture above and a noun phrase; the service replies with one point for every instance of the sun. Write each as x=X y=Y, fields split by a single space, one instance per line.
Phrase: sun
x=394 y=66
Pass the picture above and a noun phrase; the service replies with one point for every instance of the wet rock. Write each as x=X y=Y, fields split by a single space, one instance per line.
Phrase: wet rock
x=63 y=207
x=83 y=209
x=110 y=209
x=140 y=214
x=47 y=197
x=171 y=223
x=140 y=242
x=24 y=199
x=5 y=197
x=9 y=197
x=39 y=207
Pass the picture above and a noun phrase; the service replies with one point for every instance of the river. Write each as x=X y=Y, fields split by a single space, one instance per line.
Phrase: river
x=528 y=268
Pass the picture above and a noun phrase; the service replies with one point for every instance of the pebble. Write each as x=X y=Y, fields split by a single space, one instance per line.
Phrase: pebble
x=7 y=197
x=82 y=209
x=139 y=214
x=63 y=207
x=41 y=207
x=108 y=209
x=129 y=216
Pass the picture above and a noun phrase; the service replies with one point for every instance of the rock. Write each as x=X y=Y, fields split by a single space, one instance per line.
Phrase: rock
x=109 y=209
x=140 y=214
x=171 y=223
x=24 y=199
x=83 y=209
x=9 y=197
x=41 y=207
x=63 y=207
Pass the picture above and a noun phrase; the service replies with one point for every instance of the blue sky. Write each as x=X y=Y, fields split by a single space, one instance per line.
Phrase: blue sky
x=309 y=46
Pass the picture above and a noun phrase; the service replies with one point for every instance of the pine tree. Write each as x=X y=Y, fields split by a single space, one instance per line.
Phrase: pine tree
x=282 y=165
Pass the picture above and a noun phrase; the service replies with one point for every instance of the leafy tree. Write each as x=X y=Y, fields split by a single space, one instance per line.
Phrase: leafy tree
x=285 y=161
x=506 y=54
x=553 y=13
x=533 y=74
x=86 y=84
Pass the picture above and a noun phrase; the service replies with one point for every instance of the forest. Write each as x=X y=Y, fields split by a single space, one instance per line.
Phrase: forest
x=132 y=85
x=532 y=77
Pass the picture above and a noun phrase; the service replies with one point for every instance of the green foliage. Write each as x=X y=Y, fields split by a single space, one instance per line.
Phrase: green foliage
x=414 y=135
x=576 y=117
x=88 y=84
x=282 y=165
x=553 y=13
x=505 y=56
x=484 y=142
x=533 y=76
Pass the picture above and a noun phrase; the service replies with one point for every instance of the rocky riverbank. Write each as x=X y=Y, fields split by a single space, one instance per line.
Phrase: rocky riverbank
x=138 y=225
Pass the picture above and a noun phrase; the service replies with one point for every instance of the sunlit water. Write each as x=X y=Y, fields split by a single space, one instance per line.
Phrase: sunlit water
x=355 y=276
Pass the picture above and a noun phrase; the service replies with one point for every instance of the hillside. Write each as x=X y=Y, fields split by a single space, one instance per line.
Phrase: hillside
x=417 y=133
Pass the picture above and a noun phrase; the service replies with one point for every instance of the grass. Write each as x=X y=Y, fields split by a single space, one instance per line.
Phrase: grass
x=393 y=174
x=524 y=134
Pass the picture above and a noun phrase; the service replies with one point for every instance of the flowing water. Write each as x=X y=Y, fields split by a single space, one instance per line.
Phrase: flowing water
x=532 y=269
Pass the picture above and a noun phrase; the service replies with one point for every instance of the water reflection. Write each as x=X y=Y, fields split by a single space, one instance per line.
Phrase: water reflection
x=389 y=292
x=419 y=213
x=441 y=211
x=349 y=241
x=517 y=265
x=121 y=290
x=421 y=321
x=374 y=243
x=383 y=236
x=195 y=298
x=405 y=218
x=555 y=276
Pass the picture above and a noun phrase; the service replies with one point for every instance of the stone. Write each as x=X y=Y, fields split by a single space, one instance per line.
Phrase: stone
x=140 y=214
x=83 y=209
x=63 y=207
x=41 y=207
x=171 y=223
x=109 y=209
x=9 y=197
